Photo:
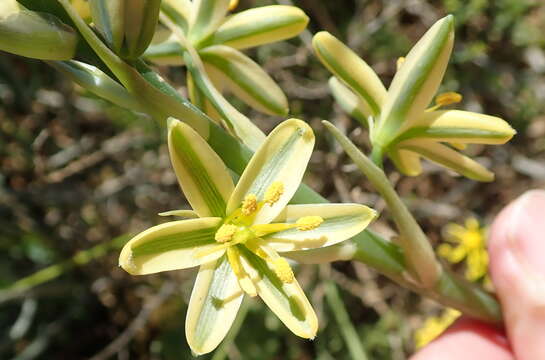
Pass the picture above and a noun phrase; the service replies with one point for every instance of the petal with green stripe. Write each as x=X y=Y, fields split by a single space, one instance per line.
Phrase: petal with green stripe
x=350 y=69
x=286 y=300
x=202 y=175
x=246 y=79
x=341 y=222
x=407 y=162
x=178 y=11
x=417 y=81
x=213 y=306
x=448 y=157
x=350 y=102
x=207 y=17
x=461 y=127
x=261 y=25
x=282 y=158
x=171 y=246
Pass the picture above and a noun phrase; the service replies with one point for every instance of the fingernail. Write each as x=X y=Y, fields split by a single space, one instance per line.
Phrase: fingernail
x=526 y=231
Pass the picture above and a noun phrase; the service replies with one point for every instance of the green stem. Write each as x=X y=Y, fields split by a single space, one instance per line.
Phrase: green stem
x=348 y=331
x=416 y=246
x=377 y=156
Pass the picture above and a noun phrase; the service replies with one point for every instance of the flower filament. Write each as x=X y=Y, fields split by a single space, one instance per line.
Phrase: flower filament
x=238 y=230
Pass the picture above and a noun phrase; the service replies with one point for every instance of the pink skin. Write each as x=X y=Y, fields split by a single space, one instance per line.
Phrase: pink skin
x=517 y=267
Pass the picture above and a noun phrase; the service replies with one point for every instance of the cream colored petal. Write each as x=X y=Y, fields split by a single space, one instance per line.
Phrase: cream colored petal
x=181 y=213
x=179 y=12
x=417 y=81
x=407 y=162
x=261 y=25
x=341 y=222
x=207 y=17
x=246 y=79
x=461 y=127
x=350 y=102
x=350 y=69
x=448 y=157
x=171 y=246
x=213 y=306
x=202 y=175
x=283 y=158
x=286 y=300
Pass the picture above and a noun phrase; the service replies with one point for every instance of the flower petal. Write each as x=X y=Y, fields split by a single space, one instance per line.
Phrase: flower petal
x=350 y=69
x=350 y=102
x=406 y=161
x=207 y=16
x=341 y=222
x=202 y=175
x=178 y=11
x=261 y=25
x=415 y=84
x=246 y=79
x=171 y=246
x=286 y=300
x=461 y=127
x=213 y=306
x=283 y=158
x=447 y=157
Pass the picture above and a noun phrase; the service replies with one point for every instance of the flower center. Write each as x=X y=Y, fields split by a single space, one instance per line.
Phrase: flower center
x=238 y=230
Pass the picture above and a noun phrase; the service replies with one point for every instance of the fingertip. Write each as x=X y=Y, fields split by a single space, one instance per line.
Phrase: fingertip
x=467 y=339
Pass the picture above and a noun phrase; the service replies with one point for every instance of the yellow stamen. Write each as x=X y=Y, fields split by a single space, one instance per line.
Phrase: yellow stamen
x=246 y=284
x=273 y=192
x=233 y=4
x=448 y=98
x=225 y=233
x=283 y=270
x=309 y=222
x=249 y=204
x=399 y=62
x=203 y=253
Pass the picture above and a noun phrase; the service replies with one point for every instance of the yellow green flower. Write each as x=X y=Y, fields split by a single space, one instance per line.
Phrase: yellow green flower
x=434 y=326
x=240 y=232
x=400 y=120
x=218 y=39
x=467 y=242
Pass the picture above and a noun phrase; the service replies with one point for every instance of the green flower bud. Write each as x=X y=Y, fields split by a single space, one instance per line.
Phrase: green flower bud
x=127 y=26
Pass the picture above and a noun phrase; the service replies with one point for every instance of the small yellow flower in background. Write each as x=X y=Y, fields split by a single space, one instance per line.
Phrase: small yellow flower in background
x=466 y=242
x=434 y=326
x=242 y=231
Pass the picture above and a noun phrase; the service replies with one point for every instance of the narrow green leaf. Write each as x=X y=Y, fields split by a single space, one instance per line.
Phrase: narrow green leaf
x=246 y=79
x=260 y=25
x=179 y=12
x=97 y=82
x=37 y=35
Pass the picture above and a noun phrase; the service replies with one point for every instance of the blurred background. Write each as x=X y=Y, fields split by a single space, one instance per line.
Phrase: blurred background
x=77 y=174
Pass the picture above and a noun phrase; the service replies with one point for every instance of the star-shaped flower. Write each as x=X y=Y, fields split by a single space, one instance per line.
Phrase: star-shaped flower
x=400 y=122
x=218 y=38
x=241 y=232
